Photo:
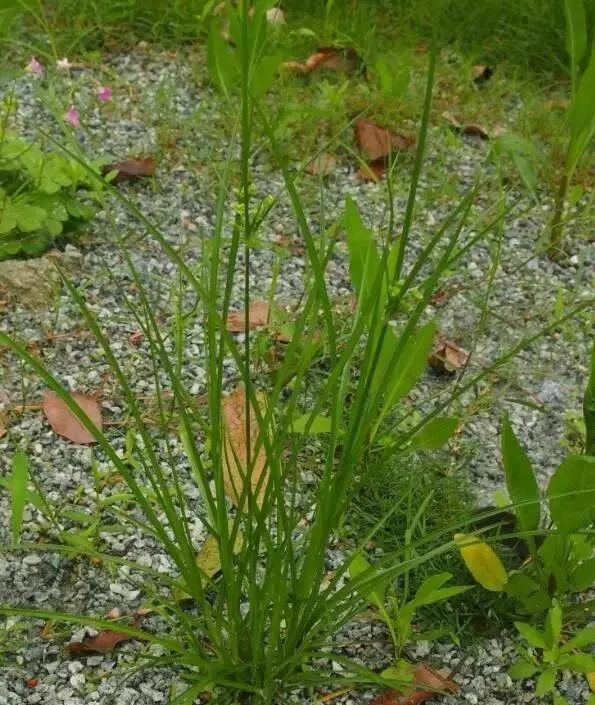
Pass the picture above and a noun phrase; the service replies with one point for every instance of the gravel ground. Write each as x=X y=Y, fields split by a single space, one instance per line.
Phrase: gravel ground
x=156 y=94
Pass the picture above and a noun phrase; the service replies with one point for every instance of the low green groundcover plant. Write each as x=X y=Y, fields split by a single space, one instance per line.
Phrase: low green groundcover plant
x=266 y=618
x=45 y=196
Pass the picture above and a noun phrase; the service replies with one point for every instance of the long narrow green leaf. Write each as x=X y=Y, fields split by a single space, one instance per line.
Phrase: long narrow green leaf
x=576 y=35
x=20 y=477
x=520 y=479
x=589 y=408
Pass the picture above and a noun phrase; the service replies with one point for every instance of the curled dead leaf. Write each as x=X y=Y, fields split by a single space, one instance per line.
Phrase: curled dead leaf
x=447 y=356
x=339 y=59
x=65 y=423
x=258 y=316
x=471 y=130
x=241 y=445
x=131 y=169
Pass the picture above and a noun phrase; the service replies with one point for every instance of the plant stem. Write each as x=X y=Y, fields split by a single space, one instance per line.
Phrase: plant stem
x=557 y=224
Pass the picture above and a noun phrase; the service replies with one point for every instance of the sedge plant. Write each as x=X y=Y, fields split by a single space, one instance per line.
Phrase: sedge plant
x=267 y=611
x=581 y=111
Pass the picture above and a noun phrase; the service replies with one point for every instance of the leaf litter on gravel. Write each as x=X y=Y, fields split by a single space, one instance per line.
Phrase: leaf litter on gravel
x=430 y=684
x=131 y=169
x=258 y=315
x=65 y=423
x=377 y=144
x=107 y=639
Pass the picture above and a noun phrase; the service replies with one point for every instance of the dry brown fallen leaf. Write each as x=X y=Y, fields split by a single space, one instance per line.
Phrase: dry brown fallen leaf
x=377 y=142
x=374 y=171
x=290 y=244
x=481 y=73
x=238 y=446
x=424 y=677
x=131 y=169
x=342 y=60
x=322 y=165
x=106 y=639
x=447 y=356
x=65 y=423
x=136 y=338
x=258 y=316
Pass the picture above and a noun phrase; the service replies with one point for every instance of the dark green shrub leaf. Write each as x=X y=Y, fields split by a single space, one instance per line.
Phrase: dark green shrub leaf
x=571 y=493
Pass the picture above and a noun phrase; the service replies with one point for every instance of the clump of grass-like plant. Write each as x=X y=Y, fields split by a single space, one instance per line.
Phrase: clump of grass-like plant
x=267 y=613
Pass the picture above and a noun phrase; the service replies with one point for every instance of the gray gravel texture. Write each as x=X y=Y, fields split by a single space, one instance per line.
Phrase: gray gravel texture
x=157 y=98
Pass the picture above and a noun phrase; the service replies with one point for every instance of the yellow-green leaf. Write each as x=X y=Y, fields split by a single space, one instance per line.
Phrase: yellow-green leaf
x=208 y=558
x=483 y=564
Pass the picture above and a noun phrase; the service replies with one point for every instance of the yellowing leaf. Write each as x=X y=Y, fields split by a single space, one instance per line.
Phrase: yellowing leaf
x=591 y=680
x=483 y=564
x=208 y=558
x=239 y=447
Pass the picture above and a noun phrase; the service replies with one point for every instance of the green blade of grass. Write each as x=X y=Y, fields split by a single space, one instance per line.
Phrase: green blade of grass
x=20 y=477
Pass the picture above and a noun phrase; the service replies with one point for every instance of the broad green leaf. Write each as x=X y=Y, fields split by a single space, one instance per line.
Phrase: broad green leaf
x=576 y=34
x=589 y=408
x=581 y=115
x=559 y=700
x=583 y=576
x=430 y=585
x=520 y=479
x=532 y=635
x=545 y=682
x=581 y=663
x=553 y=625
x=363 y=255
x=571 y=493
x=20 y=477
x=409 y=368
x=522 y=669
x=435 y=433
x=358 y=566
x=221 y=60
x=264 y=75
x=482 y=562
x=29 y=218
x=585 y=637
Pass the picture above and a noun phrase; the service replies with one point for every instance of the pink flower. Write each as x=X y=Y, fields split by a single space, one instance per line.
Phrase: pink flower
x=72 y=116
x=34 y=67
x=104 y=94
x=63 y=64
